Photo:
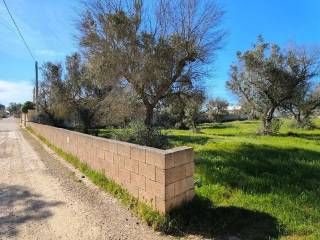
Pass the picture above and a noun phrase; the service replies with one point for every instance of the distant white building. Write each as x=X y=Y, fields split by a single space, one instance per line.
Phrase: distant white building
x=234 y=114
x=233 y=109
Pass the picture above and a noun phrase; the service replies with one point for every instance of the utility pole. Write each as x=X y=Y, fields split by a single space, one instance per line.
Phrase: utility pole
x=37 y=87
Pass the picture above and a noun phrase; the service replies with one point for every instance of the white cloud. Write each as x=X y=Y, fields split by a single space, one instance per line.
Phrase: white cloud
x=15 y=91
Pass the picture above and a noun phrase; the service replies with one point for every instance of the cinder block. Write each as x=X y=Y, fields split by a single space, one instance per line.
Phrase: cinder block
x=147 y=197
x=169 y=160
x=106 y=166
x=160 y=205
x=133 y=190
x=183 y=185
x=155 y=188
x=138 y=153
x=119 y=160
x=131 y=164
x=160 y=175
x=99 y=164
x=170 y=204
x=189 y=168
x=124 y=176
x=170 y=191
x=123 y=149
x=183 y=156
x=100 y=153
x=155 y=157
x=137 y=180
x=190 y=182
x=113 y=147
x=175 y=174
x=175 y=202
x=108 y=156
x=190 y=194
x=149 y=171
x=114 y=171
x=162 y=178
x=105 y=145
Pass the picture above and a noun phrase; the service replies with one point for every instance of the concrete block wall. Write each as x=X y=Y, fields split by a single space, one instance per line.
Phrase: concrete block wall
x=161 y=178
x=27 y=117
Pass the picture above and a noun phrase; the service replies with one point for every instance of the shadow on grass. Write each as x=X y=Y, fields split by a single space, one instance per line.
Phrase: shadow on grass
x=302 y=135
x=200 y=217
x=218 y=126
x=18 y=206
x=262 y=169
x=193 y=139
x=254 y=169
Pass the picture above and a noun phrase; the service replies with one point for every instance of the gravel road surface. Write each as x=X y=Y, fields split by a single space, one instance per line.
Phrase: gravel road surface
x=42 y=198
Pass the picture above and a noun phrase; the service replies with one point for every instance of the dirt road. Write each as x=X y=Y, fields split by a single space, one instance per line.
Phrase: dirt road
x=40 y=198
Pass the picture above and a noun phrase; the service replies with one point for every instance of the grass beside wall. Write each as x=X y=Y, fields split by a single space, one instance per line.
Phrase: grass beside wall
x=196 y=217
x=143 y=211
x=266 y=187
x=248 y=186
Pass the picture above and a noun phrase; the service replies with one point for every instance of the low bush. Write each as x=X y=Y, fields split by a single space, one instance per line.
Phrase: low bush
x=137 y=132
x=303 y=124
x=273 y=128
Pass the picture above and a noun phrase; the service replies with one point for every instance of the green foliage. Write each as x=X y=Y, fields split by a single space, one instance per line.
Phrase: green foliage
x=267 y=78
x=137 y=132
x=305 y=123
x=273 y=127
x=27 y=106
x=217 y=109
x=193 y=110
x=15 y=109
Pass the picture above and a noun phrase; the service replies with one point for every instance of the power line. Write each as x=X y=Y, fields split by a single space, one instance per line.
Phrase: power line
x=18 y=29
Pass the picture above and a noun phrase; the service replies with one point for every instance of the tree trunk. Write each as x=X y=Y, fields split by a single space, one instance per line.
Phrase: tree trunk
x=267 y=121
x=149 y=115
x=298 y=119
x=86 y=119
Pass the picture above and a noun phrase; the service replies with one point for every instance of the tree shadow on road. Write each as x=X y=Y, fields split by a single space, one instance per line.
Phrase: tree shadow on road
x=18 y=205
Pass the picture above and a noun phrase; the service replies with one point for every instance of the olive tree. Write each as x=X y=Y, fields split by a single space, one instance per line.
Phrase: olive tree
x=193 y=111
x=303 y=106
x=82 y=92
x=160 y=52
x=266 y=77
x=216 y=109
x=52 y=108
x=15 y=109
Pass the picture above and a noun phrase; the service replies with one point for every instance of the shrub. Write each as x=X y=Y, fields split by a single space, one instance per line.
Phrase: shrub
x=138 y=133
x=303 y=124
x=273 y=128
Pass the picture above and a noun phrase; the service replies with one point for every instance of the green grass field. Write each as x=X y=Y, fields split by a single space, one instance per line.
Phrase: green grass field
x=258 y=187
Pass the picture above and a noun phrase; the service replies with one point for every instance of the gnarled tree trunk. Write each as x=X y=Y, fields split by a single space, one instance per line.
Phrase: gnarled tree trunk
x=148 y=121
x=267 y=121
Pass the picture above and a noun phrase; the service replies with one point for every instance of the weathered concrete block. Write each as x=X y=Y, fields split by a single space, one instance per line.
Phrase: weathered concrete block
x=149 y=171
x=138 y=153
x=155 y=188
x=161 y=178
x=138 y=180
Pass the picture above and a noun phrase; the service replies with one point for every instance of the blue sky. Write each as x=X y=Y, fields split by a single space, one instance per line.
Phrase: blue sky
x=49 y=28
